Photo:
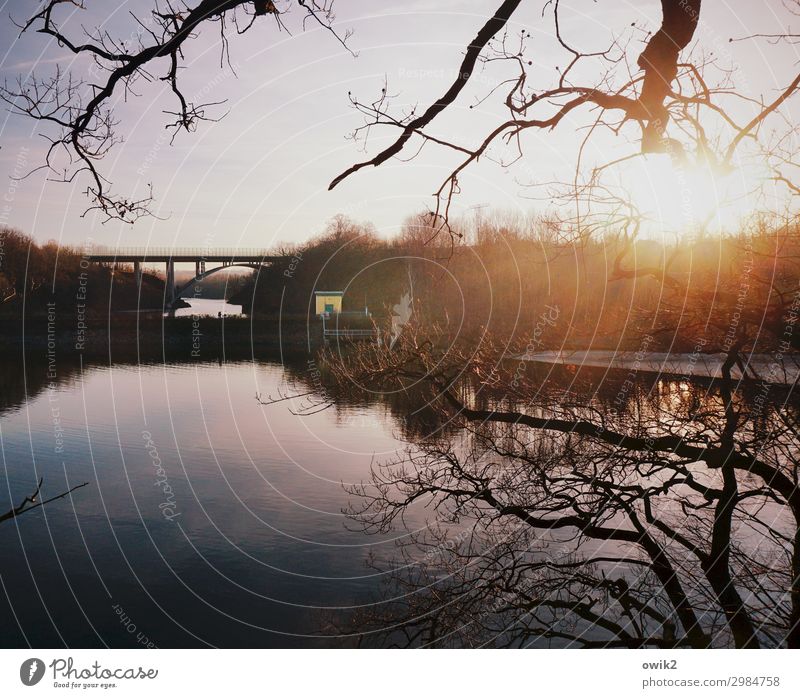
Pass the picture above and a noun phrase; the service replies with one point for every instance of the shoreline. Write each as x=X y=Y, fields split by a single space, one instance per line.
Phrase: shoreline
x=193 y=334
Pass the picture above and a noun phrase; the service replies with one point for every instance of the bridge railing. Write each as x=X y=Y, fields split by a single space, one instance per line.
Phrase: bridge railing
x=197 y=252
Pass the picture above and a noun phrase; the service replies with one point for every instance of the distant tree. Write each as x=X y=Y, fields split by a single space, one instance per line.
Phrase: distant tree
x=31 y=275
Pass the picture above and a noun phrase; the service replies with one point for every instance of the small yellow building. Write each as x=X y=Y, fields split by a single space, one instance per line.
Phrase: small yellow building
x=328 y=302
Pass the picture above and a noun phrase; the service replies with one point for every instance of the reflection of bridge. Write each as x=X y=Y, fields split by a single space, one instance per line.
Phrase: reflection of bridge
x=251 y=257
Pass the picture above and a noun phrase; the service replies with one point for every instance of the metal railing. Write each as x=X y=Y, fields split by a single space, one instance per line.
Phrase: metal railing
x=170 y=252
x=350 y=333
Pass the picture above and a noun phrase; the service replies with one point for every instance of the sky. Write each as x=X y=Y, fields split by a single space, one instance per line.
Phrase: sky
x=259 y=175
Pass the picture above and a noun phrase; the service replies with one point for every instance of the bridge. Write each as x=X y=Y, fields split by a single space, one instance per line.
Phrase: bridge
x=252 y=257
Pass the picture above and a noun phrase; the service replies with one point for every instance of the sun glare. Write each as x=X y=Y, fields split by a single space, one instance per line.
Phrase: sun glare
x=681 y=199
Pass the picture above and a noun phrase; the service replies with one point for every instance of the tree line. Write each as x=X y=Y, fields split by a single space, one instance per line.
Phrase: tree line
x=33 y=275
x=512 y=274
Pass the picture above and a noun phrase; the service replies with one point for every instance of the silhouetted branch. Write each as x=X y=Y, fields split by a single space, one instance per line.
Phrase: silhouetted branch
x=85 y=128
x=489 y=29
x=30 y=502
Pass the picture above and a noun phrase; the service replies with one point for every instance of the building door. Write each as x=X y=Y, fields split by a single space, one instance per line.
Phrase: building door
x=329 y=308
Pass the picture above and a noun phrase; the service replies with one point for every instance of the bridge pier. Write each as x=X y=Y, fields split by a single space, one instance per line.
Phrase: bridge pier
x=170 y=289
x=137 y=274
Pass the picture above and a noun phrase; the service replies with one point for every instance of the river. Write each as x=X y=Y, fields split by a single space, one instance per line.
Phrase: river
x=213 y=509
x=209 y=518
x=208 y=306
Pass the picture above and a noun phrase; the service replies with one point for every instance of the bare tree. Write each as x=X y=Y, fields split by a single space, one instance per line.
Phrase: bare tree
x=658 y=91
x=77 y=110
x=667 y=97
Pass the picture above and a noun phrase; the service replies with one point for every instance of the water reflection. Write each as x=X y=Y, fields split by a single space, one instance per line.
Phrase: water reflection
x=214 y=519
x=594 y=510
x=208 y=307
x=210 y=519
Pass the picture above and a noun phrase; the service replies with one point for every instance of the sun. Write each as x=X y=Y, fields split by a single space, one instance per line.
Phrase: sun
x=682 y=198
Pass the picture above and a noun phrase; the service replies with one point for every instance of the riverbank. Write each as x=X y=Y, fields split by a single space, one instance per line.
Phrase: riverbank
x=190 y=337
x=782 y=368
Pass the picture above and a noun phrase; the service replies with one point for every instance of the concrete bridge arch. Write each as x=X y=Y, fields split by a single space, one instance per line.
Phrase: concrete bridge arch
x=201 y=274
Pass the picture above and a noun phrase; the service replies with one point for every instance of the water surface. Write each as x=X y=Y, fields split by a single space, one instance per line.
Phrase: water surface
x=209 y=518
x=208 y=307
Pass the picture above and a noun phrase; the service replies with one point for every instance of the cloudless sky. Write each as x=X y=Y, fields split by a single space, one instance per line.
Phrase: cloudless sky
x=260 y=174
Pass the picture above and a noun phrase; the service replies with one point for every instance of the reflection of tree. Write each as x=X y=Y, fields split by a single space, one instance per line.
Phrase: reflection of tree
x=668 y=520
x=314 y=387
x=32 y=501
